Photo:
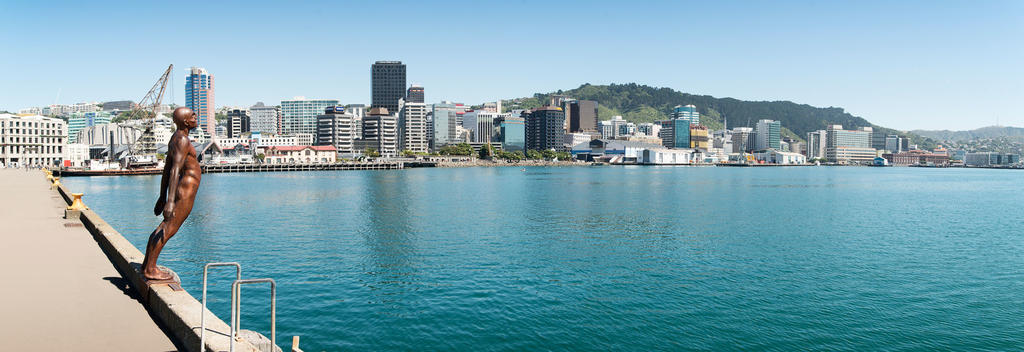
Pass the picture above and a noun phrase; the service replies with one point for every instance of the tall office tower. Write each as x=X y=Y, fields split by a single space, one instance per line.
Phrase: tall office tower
x=742 y=140
x=444 y=122
x=299 y=114
x=388 y=84
x=481 y=123
x=199 y=98
x=415 y=94
x=675 y=133
x=583 y=116
x=337 y=128
x=80 y=120
x=688 y=113
x=816 y=144
x=544 y=129
x=382 y=126
x=414 y=127
x=264 y=119
x=239 y=122
x=513 y=134
x=768 y=135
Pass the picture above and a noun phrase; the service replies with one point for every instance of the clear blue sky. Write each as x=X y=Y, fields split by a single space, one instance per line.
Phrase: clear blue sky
x=907 y=65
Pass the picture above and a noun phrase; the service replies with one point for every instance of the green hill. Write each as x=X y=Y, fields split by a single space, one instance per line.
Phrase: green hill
x=641 y=103
x=1014 y=133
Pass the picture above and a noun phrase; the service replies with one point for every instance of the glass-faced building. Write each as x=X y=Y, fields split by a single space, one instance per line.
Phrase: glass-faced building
x=444 y=121
x=199 y=97
x=688 y=112
x=513 y=134
x=299 y=114
x=80 y=120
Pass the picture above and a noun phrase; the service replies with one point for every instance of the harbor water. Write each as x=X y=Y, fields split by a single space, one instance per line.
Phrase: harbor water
x=605 y=258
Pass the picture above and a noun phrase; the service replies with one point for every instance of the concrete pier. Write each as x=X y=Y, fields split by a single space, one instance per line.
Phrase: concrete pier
x=59 y=290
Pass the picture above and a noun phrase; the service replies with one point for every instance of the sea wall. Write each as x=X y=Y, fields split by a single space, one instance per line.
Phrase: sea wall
x=176 y=309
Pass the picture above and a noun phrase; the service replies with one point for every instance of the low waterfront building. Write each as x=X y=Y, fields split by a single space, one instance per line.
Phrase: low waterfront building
x=665 y=156
x=32 y=140
x=986 y=159
x=917 y=157
x=75 y=155
x=296 y=154
x=574 y=139
x=772 y=156
x=611 y=150
x=284 y=140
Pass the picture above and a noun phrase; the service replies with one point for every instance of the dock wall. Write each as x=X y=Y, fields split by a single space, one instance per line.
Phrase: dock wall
x=177 y=310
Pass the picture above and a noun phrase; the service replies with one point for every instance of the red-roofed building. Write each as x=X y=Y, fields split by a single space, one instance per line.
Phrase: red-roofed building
x=300 y=154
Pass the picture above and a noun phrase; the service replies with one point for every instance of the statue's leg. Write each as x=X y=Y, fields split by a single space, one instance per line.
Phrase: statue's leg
x=163 y=233
x=153 y=247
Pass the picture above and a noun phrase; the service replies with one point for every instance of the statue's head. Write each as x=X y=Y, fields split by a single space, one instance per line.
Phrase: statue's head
x=185 y=118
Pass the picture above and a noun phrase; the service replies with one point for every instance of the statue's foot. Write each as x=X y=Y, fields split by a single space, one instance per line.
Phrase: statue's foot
x=156 y=274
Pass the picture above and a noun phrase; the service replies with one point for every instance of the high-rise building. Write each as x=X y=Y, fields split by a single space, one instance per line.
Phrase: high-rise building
x=742 y=139
x=414 y=127
x=264 y=119
x=382 y=126
x=299 y=114
x=768 y=135
x=80 y=120
x=336 y=128
x=388 y=84
x=239 y=122
x=199 y=97
x=545 y=129
x=688 y=112
x=415 y=94
x=444 y=117
x=675 y=133
x=583 y=116
x=481 y=124
x=816 y=144
x=849 y=146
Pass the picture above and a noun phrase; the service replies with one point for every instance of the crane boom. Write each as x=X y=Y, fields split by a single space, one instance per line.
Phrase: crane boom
x=143 y=151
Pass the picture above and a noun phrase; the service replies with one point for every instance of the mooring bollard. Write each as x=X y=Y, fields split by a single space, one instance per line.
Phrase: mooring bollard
x=56 y=183
x=74 y=211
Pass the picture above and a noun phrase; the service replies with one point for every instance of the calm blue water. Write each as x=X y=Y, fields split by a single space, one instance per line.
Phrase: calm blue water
x=607 y=258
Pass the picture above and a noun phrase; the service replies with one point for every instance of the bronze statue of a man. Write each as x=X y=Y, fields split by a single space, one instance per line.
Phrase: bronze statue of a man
x=178 y=188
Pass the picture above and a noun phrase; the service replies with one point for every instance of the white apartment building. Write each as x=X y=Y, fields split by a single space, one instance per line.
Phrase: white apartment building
x=414 y=127
x=32 y=140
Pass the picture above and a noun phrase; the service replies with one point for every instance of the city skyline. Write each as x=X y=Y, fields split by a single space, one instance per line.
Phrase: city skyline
x=950 y=67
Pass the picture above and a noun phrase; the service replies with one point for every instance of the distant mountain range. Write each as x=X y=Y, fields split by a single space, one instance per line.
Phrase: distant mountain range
x=641 y=103
x=981 y=133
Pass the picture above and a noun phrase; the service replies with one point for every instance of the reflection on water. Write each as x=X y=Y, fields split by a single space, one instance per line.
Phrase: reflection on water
x=612 y=258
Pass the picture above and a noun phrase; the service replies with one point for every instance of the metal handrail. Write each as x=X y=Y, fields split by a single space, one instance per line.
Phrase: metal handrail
x=202 y=313
x=236 y=309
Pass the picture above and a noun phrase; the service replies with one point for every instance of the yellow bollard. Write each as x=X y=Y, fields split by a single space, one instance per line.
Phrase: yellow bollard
x=77 y=204
x=56 y=183
x=49 y=178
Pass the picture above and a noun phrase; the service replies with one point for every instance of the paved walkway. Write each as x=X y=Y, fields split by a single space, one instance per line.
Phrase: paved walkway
x=58 y=291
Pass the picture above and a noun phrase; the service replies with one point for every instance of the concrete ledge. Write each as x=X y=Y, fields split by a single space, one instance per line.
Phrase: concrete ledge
x=177 y=310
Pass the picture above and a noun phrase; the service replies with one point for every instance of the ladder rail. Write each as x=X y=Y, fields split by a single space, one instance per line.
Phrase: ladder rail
x=202 y=313
x=236 y=309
